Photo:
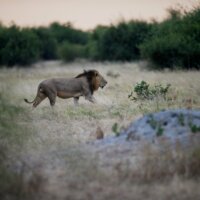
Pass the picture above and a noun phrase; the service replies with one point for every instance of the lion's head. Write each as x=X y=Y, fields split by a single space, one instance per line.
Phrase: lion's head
x=94 y=78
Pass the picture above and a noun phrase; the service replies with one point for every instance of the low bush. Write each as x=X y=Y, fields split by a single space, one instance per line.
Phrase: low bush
x=146 y=92
x=69 y=52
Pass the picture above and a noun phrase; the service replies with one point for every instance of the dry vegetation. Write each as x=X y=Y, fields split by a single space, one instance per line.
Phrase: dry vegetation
x=59 y=160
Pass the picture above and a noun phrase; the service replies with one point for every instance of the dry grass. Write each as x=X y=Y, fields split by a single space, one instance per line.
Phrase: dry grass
x=58 y=149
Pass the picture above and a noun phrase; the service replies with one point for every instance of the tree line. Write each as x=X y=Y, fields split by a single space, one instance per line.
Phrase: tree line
x=172 y=43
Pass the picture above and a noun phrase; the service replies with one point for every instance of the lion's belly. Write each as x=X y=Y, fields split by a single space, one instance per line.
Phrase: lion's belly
x=65 y=95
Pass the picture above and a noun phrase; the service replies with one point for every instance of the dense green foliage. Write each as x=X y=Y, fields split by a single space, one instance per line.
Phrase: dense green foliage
x=47 y=43
x=69 y=51
x=23 y=46
x=18 y=46
x=121 y=42
x=173 y=43
x=144 y=91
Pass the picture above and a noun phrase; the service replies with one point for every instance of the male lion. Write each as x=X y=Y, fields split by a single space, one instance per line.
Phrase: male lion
x=82 y=85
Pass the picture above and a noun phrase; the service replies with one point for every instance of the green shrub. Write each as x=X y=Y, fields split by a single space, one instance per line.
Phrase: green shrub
x=146 y=92
x=115 y=129
x=67 y=33
x=194 y=128
x=175 y=43
x=122 y=42
x=18 y=46
x=69 y=52
x=94 y=44
x=47 y=43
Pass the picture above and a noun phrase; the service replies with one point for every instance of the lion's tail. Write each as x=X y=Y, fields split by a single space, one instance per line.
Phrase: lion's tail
x=35 y=99
x=27 y=101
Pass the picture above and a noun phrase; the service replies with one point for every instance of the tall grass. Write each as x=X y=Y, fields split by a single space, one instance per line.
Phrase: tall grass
x=165 y=163
x=12 y=139
x=63 y=145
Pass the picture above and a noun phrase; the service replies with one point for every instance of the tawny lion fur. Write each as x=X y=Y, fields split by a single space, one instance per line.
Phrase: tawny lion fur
x=82 y=85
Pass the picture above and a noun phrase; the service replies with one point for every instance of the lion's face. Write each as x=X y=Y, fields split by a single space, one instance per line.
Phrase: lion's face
x=100 y=81
x=94 y=78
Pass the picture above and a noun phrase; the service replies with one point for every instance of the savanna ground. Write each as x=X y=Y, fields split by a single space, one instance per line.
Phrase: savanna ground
x=60 y=158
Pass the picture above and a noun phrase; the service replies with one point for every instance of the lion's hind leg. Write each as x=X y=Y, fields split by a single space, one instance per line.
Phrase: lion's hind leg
x=52 y=97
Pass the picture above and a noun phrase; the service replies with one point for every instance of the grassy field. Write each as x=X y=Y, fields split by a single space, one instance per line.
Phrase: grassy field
x=56 y=159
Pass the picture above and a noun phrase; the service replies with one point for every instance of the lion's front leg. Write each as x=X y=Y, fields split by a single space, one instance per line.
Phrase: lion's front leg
x=76 y=101
x=88 y=95
x=90 y=98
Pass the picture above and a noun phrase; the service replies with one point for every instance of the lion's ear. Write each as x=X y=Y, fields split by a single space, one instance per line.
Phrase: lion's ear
x=96 y=73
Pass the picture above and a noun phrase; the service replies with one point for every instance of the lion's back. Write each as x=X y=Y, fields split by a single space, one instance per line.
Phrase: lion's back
x=63 y=84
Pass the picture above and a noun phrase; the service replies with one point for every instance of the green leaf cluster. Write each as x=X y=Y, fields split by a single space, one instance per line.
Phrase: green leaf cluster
x=144 y=91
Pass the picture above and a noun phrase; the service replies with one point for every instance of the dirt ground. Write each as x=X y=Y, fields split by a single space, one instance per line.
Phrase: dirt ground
x=62 y=153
